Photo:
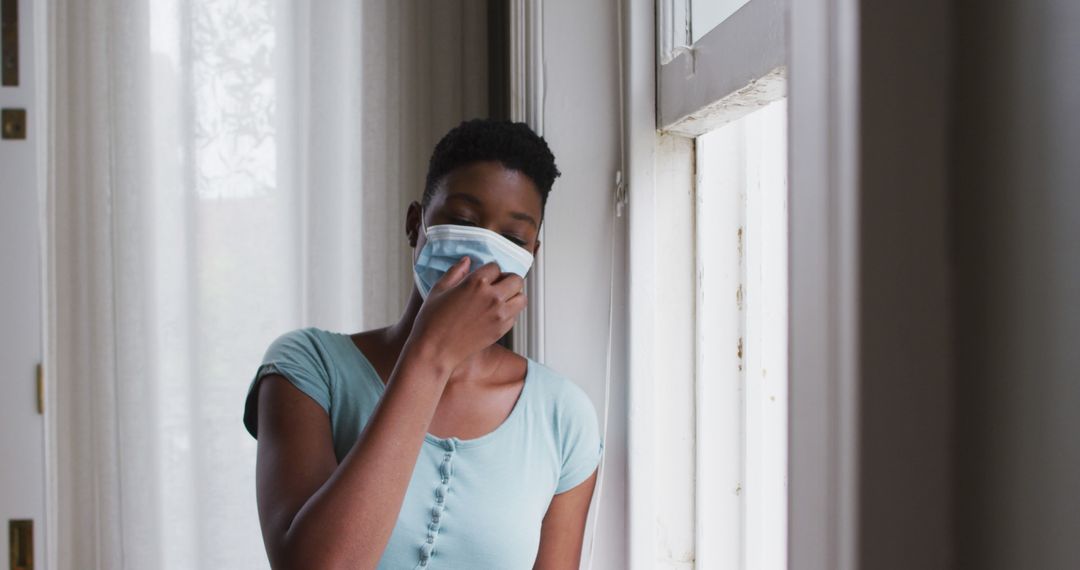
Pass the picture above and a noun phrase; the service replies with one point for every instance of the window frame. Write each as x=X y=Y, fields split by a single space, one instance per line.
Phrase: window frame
x=684 y=91
x=741 y=320
x=735 y=68
x=823 y=277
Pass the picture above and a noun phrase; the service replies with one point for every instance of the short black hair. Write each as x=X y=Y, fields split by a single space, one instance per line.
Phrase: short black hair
x=513 y=144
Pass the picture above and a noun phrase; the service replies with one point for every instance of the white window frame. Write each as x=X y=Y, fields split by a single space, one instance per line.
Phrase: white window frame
x=734 y=69
x=741 y=351
x=823 y=331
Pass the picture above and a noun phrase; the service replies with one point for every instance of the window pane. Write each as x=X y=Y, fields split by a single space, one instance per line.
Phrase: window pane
x=741 y=225
x=707 y=14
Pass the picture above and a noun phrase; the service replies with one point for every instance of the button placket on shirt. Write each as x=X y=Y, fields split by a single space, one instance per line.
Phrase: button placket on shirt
x=446 y=472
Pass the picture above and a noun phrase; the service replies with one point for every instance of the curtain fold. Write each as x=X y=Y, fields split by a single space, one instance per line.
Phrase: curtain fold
x=220 y=172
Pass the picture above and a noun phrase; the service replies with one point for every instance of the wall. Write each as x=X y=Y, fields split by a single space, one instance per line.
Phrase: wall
x=968 y=209
x=905 y=351
x=968 y=222
x=581 y=123
x=1016 y=232
x=870 y=381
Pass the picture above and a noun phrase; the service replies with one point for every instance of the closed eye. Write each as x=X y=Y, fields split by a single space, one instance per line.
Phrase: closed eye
x=464 y=222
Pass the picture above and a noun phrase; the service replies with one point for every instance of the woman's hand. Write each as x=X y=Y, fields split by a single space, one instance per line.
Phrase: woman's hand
x=467 y=312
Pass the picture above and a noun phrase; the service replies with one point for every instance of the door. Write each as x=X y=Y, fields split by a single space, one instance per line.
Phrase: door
x=22 y=457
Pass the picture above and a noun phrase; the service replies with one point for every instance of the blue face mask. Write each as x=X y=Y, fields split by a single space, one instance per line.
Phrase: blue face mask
x=446 y=244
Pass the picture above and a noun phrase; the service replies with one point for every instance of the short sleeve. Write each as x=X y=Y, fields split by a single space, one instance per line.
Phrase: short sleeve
x=579 y=438
x=297 y=356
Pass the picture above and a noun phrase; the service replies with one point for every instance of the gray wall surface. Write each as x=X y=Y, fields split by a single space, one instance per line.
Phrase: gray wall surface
x=581 y=124
x=904 y=354
x=1016 y=254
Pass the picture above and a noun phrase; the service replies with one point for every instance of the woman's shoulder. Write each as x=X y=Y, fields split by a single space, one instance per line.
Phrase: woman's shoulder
x=298 y=356
x=567 y=400
x=311 y=358
x=574 y=426
x=307 y=356
x=300 y=336
x=310 y=344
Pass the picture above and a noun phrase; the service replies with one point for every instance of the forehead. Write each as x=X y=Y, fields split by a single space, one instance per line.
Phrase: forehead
x=491 y=185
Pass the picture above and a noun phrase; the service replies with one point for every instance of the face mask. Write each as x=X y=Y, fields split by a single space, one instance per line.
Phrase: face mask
x=446 y=244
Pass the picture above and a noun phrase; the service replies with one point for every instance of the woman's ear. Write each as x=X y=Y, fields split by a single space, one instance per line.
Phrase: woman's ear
x=536 y=248
x=412 y=222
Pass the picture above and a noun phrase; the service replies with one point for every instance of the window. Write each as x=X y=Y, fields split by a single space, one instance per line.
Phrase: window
x=741 y=342
x=707 y=14
x=708 y=423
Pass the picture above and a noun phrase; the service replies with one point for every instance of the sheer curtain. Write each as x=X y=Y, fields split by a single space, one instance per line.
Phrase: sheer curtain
x=221 y=171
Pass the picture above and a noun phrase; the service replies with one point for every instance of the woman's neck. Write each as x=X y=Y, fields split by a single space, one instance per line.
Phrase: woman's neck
x=395 y=335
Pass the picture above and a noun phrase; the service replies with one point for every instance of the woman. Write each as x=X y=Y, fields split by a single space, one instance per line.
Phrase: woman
x=443 y=449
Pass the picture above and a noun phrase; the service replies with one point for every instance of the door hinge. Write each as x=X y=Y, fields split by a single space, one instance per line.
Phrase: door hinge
x=620 y=193
x=40 y=389
x=21 y=544
x=9 y=43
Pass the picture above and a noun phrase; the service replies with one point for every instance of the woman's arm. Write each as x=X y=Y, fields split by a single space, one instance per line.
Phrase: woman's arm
x=317 y=514
x=563 y=530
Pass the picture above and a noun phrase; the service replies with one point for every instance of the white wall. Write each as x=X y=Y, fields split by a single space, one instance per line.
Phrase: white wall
x=581 y=114
x=1016 y=234
x=21 y=428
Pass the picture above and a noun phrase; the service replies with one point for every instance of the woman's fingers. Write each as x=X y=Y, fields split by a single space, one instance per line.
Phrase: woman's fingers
x=454 y=275
x=471 y=311
x=508 y=286
x=504 y=285
x=517 y=302
x=488 y=272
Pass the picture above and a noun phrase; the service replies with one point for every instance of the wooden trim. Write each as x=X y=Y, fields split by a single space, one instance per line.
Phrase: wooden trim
x=639 y=116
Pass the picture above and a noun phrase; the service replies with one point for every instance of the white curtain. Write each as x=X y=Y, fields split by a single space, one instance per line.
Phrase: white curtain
x=221 y=171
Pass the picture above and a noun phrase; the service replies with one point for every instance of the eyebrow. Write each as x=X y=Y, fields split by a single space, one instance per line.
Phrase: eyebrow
x=476 y=201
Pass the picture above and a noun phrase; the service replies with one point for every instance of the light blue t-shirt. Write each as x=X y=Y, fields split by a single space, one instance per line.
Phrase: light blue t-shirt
x=471 y=503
